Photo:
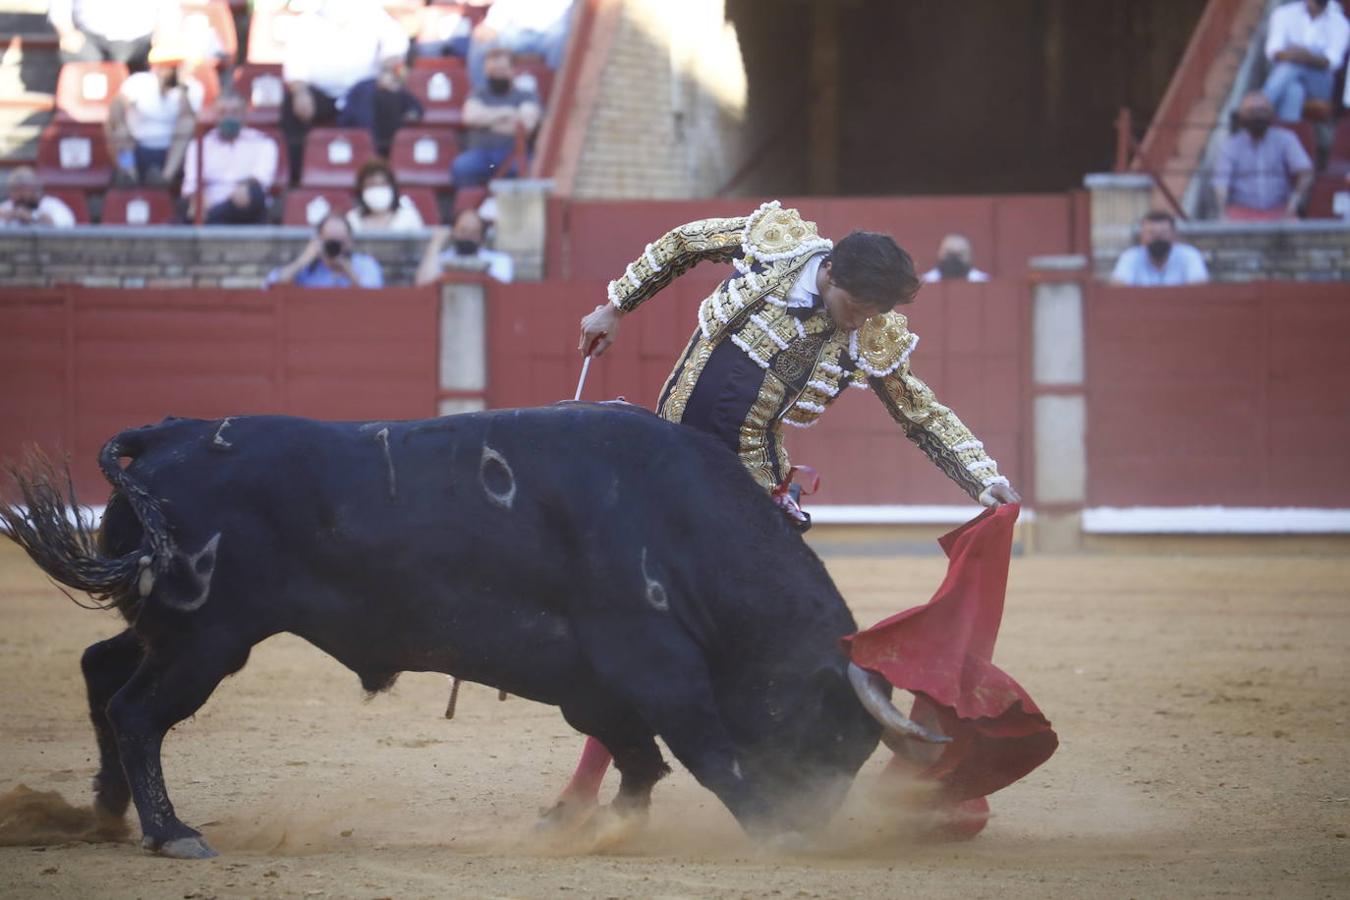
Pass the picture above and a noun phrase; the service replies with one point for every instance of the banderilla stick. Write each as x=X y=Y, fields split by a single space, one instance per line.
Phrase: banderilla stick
x=454 y=698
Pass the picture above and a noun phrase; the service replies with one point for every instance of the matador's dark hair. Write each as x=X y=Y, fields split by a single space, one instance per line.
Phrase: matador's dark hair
x=874 y=268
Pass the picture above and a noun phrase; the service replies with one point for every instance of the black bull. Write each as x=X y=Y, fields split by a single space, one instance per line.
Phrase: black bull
x=619 y=567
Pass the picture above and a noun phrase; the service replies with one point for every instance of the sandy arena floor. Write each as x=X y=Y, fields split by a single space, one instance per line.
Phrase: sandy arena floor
x=1201 y=703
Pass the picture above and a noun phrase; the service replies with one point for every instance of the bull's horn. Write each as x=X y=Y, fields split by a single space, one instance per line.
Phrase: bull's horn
x=871 y=691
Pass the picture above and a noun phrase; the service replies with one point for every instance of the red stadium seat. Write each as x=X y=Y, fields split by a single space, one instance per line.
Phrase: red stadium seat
x=307 y=206
x=534 y=75
x=440 y=63
x=73 y=155
x=1340 y=144
x=206 y=26
x=469 y=198
x=422 y=156
x=137 y=206
x=283 y=159
x=85 y=90
x=261 y=85
x=74 y=199
x=1307 y=136
x=441 y=92
x=424 y=199
x=268 y=32
x=1329 y=197
x=332 y=156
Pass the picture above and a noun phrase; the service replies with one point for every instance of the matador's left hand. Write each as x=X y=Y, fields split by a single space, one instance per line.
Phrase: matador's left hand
x=999 y=494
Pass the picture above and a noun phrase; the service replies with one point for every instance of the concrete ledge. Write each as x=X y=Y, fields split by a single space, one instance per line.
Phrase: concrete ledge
x=1225 y=228
x=899 y=515
x=1215 y=520
x=1103 y=180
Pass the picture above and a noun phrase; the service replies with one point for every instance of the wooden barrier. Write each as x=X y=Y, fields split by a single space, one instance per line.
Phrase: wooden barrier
x=82 y=364
x=1233 y=395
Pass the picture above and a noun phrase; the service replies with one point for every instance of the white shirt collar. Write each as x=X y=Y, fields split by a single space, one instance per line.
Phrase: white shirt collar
x=804 y=291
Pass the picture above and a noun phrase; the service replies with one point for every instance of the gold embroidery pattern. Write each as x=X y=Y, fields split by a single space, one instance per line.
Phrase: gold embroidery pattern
x=755 y=430
x=675 y=253
x=683 y=378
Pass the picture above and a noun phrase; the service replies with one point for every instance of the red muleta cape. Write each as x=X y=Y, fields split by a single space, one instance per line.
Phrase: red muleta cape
x=941 y=652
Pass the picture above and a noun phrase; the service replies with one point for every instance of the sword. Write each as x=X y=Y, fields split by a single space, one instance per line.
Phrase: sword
x=585 y=368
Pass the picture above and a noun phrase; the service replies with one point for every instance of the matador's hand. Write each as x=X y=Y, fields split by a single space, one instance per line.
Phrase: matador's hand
x=600 y=328
x=999 y=494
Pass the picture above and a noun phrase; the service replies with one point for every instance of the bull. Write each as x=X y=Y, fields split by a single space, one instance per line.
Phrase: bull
x=622 y=568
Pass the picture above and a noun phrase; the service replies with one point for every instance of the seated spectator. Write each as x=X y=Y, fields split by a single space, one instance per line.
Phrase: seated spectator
x=520 y=26
x=379 y=204
x=466 y=252
x=27 y=205
x=240 y=165
x=1158 y=260
x=492 y=117
x=954 y=262
x=328 y=260
x=345 y=66
x=1305 y=44
x=1257 y=164
x=108 y=31
x=151 y=120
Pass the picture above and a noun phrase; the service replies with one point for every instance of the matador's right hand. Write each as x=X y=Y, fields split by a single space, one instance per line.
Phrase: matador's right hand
x=599 y=329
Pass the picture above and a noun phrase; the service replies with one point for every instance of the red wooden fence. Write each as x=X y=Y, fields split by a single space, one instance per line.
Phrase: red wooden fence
x=1235 y=395
x=973 y=353
x=82 y=364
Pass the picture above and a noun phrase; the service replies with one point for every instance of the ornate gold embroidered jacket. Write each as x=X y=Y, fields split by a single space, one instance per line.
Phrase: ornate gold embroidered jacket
x=754 y=363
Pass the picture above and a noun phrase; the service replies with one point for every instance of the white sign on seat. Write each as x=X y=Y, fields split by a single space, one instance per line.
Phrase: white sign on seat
x=426 y=151
x=94 y=86
x=340 y=152
x=138 y=211
x=439 y=88
x=75 y=152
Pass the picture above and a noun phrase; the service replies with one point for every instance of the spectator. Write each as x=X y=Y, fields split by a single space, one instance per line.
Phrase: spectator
x=344 y=65
x=520 y=26
x=1305 y=44
x=328 y=260
x=27 y=205
x=1256 y=165
x=493 y=115
x=240 y=166
x=110 y=30
x=466 y=252
x=151 y=120
x=379 y=204
x=1158 y=260
x=954 y=262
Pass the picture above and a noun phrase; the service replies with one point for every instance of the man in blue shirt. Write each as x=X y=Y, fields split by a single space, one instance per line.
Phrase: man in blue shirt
x=1158 y=260
x=329 y=261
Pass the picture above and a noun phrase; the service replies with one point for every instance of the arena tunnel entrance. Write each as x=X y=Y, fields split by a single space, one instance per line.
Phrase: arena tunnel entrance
x=861 y=97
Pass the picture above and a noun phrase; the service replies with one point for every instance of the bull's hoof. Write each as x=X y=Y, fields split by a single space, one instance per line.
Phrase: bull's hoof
x=568 y=814
x=181 y=848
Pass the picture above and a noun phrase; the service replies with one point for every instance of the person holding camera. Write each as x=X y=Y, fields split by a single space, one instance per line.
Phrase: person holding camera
x=27 y=205
x=328 y=260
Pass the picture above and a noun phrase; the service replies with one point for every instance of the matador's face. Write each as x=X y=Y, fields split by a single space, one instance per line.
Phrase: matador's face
x=848 y=312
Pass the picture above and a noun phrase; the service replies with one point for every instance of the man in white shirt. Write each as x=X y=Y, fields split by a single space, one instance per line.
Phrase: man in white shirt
x=27 y=205
x=344 y=65
x=954 y=262
x=1305 y=44
x=151 y=120
x=110 y=30
x=1158 y=261
x=236 y=158
x=466 y=252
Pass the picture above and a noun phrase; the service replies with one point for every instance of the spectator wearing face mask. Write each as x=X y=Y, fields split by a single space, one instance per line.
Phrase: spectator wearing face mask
x=466 y=251
x=328 y=260
x=520 y=26
x=1305 y=44
x=27 y=205
x=1252 y=179
x=1158 y=260
x=240 y=165
x=954 y=262
x=151 y=120
x=379 y=204
x=493 y=115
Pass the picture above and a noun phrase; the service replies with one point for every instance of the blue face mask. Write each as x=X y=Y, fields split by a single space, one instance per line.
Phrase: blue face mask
x=229 y=127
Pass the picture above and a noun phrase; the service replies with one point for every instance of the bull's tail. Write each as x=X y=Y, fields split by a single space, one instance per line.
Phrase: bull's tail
x=51 y=528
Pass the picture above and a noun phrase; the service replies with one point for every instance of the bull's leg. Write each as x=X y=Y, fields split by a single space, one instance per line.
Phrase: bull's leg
x=168 y=687
x=107 y=666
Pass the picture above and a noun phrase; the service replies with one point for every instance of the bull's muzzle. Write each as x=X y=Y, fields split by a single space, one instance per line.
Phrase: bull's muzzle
x=871 y=689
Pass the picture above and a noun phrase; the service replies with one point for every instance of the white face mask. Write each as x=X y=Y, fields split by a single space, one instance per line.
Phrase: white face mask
x=378 y=197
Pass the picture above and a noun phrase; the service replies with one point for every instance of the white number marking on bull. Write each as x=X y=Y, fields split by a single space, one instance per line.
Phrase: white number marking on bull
x=202 y=565
x=219 y=441
x=503 y=498
x=383 y=437
x=656 y=591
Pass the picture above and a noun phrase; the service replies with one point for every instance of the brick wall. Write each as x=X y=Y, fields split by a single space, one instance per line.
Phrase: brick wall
x=176 y=257
x=668 y=119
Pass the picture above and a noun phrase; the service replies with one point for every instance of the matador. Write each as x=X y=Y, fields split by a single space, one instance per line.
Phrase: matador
x=800 y=320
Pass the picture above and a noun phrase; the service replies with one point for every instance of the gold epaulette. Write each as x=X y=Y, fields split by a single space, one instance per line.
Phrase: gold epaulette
x=882 y=345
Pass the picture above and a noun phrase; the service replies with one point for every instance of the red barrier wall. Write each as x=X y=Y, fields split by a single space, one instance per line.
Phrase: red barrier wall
x=1234 y=395
x=973 y=353
x=82 y=364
